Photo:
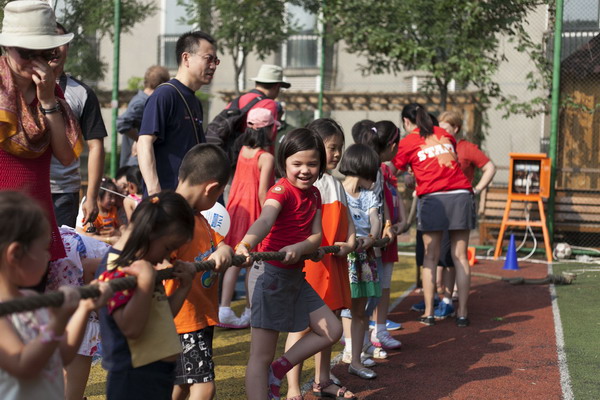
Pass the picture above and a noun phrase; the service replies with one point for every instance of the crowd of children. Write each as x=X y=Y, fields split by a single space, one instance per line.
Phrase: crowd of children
x=157 y=338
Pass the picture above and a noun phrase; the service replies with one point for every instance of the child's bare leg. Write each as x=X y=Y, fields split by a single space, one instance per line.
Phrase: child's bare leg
x=181 y=392
x=293 y=376
x=263 y=344
x=202 y=391
x=381 y=311
x=325 y=330
x=357 y=329
x=76 y=377
x=229 y=278
x=449 y=280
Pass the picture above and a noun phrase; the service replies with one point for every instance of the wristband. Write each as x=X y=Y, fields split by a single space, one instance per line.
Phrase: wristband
x=52 y=110
x=246 y=245
x=47 y=335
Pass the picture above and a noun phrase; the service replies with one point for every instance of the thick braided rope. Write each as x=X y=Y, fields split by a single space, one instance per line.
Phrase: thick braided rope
x=55 y=299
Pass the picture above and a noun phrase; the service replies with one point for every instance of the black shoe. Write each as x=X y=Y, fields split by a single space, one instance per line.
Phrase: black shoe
x=429 y=321
x=462 y=322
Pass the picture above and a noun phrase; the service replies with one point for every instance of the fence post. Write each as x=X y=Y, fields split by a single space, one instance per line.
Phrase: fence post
x=554 y=116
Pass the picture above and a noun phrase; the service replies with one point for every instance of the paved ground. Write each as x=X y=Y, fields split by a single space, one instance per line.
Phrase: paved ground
x=508 y=352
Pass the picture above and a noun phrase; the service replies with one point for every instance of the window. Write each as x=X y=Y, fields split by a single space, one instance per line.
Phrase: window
x=301 y=49
x=172 y=29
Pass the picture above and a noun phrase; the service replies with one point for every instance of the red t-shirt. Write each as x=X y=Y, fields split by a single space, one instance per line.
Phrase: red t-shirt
x=295 y=220
x=433 y=161
x=470 y=157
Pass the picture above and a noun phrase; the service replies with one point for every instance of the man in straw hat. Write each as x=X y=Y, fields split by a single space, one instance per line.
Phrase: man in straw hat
x=172 y=119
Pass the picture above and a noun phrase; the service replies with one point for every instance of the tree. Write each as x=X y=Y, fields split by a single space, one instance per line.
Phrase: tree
x=241 y=27
x=90 y=20
x=450 y=39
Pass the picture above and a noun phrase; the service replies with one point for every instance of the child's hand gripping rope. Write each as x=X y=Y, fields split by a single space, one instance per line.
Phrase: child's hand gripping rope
x=101 y=291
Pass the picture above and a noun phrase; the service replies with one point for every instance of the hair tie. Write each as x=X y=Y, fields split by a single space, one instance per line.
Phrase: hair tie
x=374 y=129
x=154 y=200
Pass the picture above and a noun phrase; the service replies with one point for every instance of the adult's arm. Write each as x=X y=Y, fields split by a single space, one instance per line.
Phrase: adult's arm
x=95 y=170
x=489 y=170
x=44 y=79
x=147 y=162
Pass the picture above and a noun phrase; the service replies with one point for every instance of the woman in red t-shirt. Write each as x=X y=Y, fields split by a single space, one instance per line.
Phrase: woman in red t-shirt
x=445 y=201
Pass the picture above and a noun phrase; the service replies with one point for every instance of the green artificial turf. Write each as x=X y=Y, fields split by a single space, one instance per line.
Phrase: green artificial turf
x=579 y=305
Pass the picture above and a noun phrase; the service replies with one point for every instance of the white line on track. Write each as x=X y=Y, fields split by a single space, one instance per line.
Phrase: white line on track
x=565 y=378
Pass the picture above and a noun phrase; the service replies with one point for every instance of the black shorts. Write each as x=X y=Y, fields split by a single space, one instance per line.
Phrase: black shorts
x=195 y=364
x=443 y=211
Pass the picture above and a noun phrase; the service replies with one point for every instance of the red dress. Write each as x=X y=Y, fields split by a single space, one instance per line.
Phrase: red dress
x=243 y=204
x=32 y=177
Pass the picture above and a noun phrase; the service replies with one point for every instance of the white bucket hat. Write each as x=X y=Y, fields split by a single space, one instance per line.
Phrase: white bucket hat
x=269 y=73
x=31 y=24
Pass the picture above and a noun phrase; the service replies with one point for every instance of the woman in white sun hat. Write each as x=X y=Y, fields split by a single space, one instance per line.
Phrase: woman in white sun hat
x=35 y=121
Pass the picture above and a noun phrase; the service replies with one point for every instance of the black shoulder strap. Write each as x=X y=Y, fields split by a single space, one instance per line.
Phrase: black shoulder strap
x=252 y=103
x=187 y=106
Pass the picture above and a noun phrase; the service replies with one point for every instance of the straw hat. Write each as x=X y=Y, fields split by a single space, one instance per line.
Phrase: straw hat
x=31 y=24
x=271 y=74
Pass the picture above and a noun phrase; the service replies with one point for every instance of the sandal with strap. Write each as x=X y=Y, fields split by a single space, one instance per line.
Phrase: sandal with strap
x=319 y=391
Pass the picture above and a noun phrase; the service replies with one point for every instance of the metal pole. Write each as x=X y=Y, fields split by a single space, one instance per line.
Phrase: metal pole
x=322 y=59
x=554 y=116
x=114 y=104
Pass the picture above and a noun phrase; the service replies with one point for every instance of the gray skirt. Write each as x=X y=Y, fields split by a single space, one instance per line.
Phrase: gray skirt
x=280 y=299
x=446 y=211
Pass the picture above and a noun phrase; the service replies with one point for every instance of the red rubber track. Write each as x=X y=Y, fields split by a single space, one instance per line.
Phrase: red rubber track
x=508 y=352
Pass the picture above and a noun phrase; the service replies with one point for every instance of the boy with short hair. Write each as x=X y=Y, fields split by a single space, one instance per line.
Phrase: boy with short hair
x=203 y=174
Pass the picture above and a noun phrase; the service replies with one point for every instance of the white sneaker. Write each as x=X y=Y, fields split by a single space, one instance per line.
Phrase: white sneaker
x=228 y=319
x=365 y=359
x=384 y=340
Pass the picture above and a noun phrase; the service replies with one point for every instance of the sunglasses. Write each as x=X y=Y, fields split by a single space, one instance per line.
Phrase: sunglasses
x=27 y=54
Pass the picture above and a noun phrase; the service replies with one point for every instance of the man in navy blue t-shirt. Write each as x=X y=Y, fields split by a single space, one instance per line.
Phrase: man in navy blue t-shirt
x=172 y=120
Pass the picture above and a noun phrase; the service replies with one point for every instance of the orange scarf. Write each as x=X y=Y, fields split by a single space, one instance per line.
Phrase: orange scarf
x=24 y=132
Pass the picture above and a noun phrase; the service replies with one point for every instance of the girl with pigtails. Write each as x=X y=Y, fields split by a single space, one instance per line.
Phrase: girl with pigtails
x=139 y=340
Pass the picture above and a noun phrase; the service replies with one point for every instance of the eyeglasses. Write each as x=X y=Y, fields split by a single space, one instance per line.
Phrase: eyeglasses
x=27 y=54
x=210 y=59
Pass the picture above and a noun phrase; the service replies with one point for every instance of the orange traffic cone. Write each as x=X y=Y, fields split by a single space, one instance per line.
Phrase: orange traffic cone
x=471 y=256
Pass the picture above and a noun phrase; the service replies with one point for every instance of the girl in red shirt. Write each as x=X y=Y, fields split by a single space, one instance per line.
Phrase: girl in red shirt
x=445 y=202
x=280 y=298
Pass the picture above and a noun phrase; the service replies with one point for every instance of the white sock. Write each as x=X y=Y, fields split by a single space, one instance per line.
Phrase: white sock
x=380 y=328
x=447 y=300
x=224 y=308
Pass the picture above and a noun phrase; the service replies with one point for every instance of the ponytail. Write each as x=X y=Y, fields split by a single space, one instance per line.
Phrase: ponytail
x=162 y=214
x=417 y=114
